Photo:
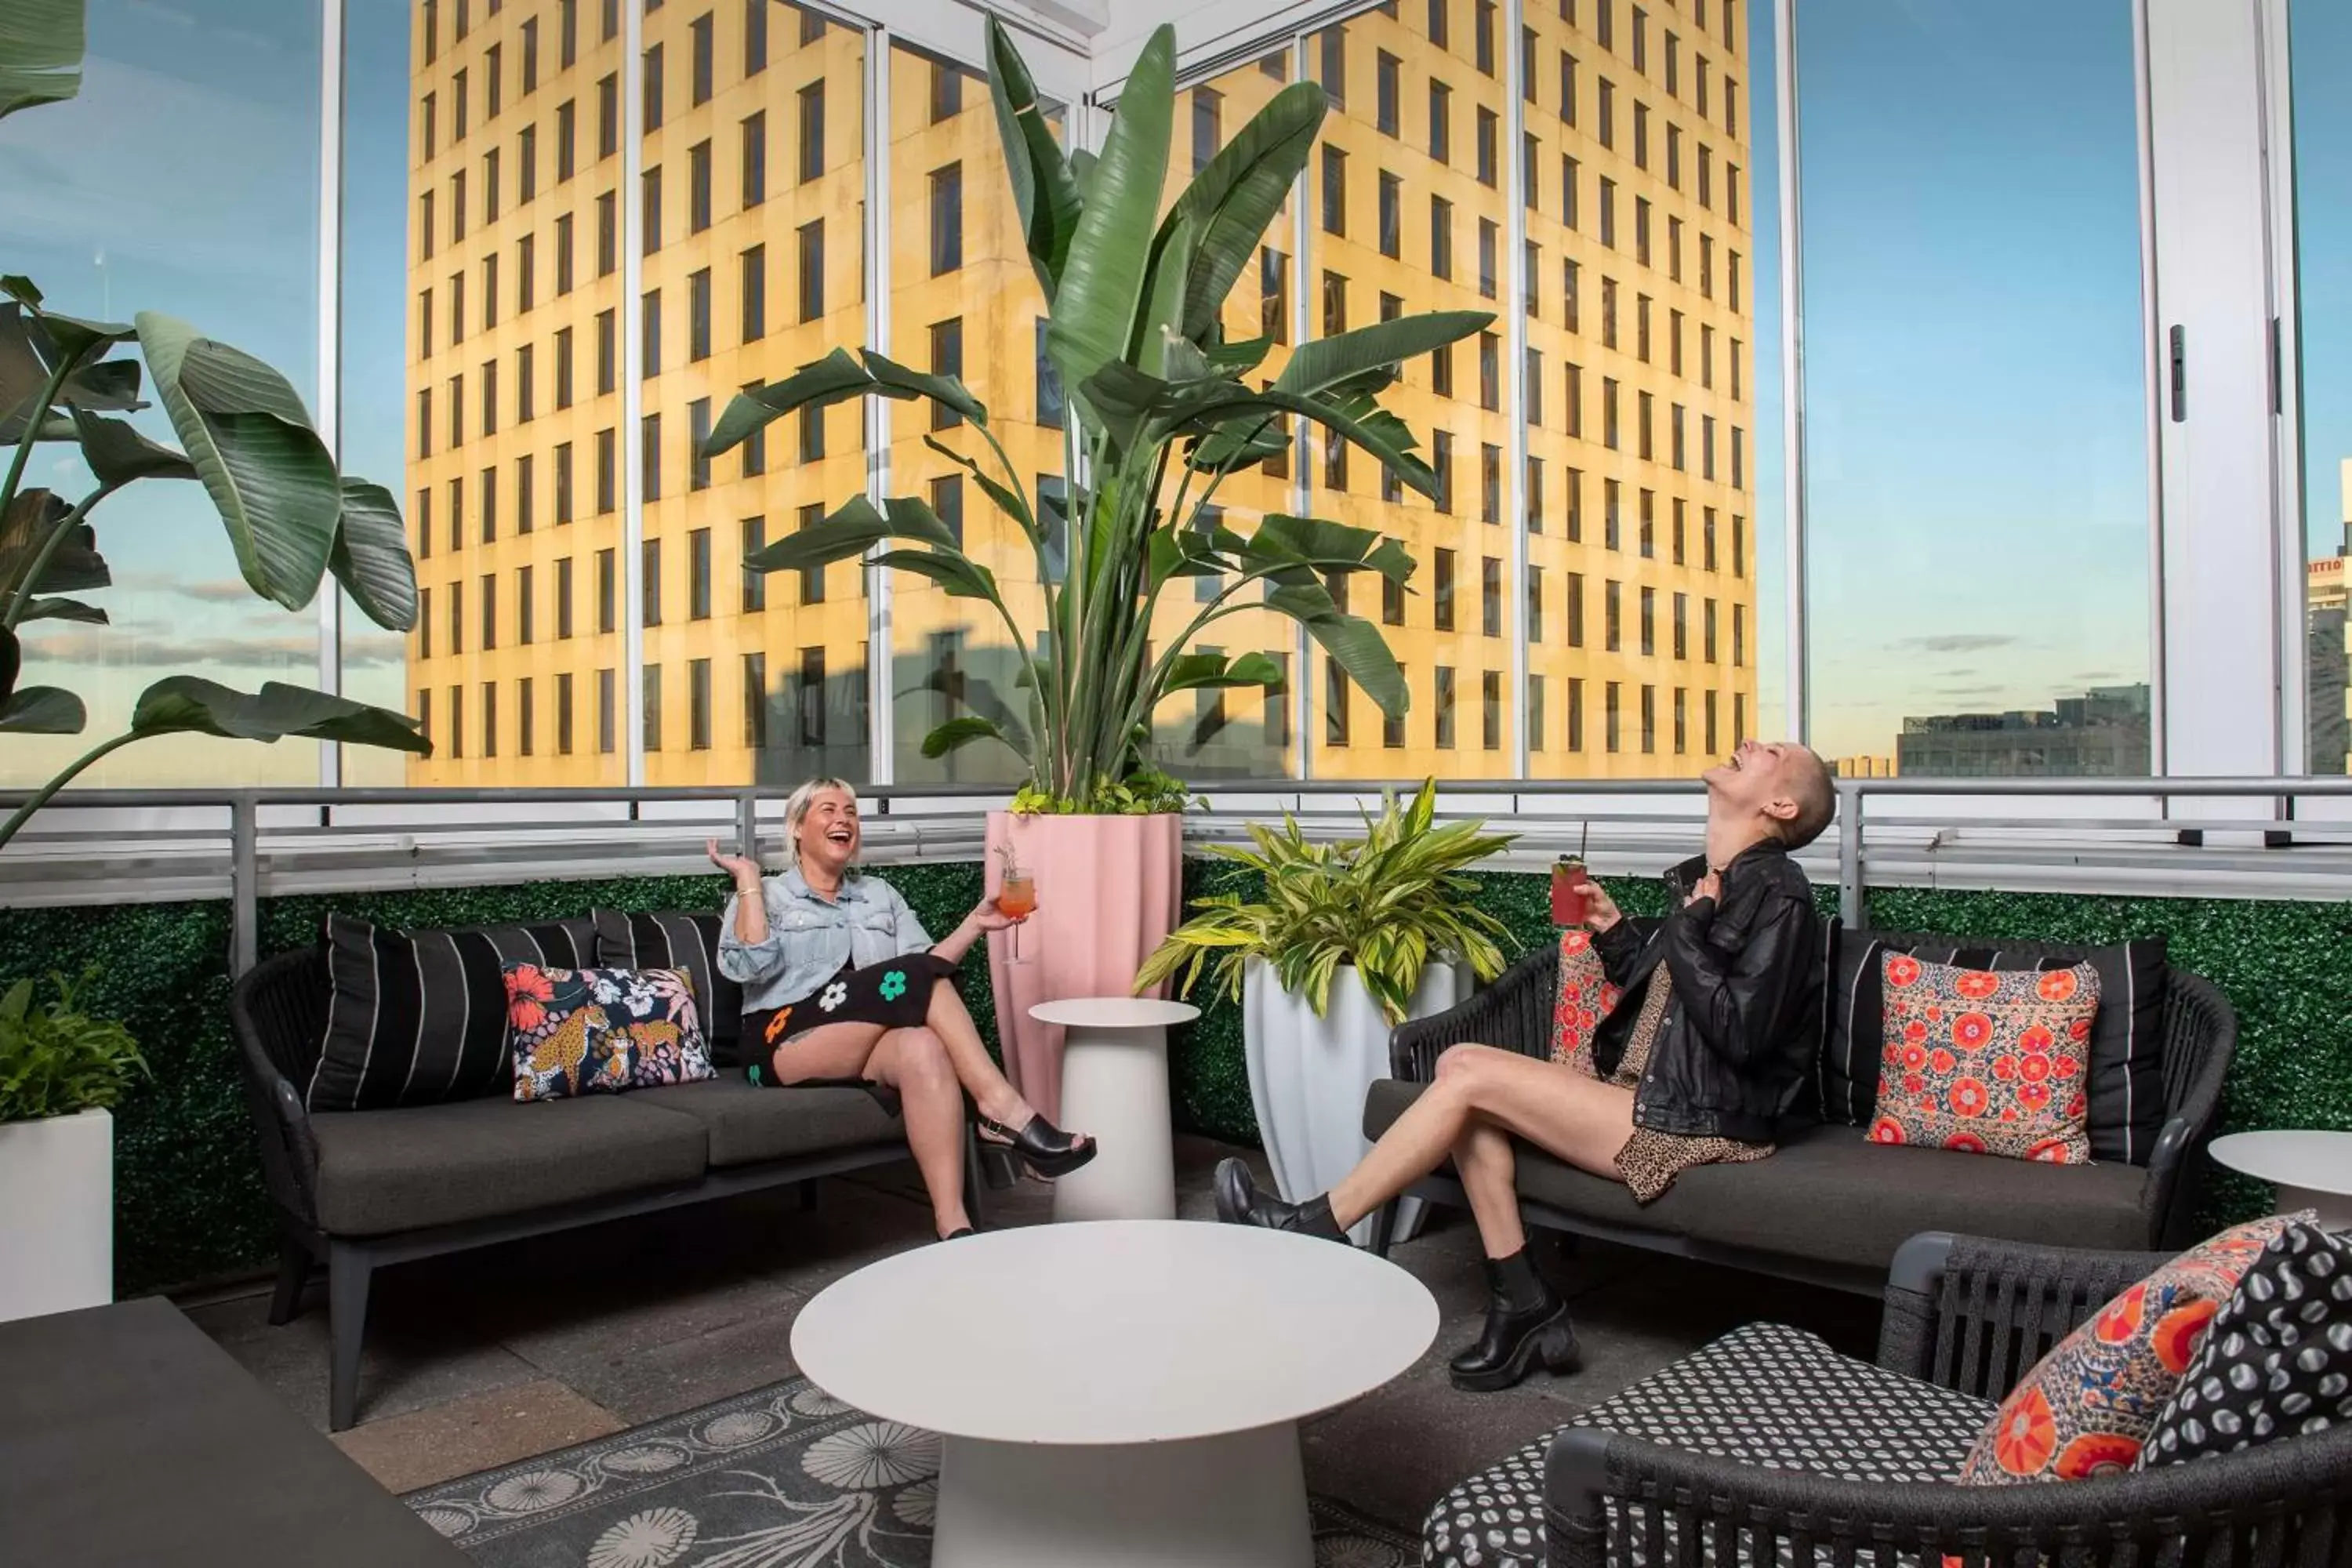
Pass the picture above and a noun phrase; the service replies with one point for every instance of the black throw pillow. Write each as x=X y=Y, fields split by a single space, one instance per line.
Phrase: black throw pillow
x=2277 y=1362
x=679 y=940
x=420 y=1017
x=2126 y=1082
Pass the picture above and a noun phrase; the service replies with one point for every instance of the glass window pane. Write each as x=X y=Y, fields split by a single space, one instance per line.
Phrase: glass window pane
x=1989 y=456
x=2321 y=38
x=965 y=302
x=119 y=201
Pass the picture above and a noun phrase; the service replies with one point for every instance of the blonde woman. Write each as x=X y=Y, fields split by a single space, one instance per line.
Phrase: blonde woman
x=841 y=985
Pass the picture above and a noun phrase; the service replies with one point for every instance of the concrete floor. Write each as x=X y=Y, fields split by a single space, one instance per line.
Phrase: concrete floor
x=479 y=1361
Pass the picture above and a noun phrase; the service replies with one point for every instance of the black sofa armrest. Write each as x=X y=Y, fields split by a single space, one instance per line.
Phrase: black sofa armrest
x=1514 y=1012
x=2200 y=1033
x=1975 y=1314
x=276 y=1010
x=2280 y=1502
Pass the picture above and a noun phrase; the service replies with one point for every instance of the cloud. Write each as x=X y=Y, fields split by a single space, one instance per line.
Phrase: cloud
x=232 y=591
x=106 y=647
x=1956 y=642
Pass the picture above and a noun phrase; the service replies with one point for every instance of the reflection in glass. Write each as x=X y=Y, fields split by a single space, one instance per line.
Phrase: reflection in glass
x=1977 y=502
x=2321 y=40
x=119 y=200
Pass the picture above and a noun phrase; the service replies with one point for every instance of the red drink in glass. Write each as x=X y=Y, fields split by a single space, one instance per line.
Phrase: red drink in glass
x=1569 y=907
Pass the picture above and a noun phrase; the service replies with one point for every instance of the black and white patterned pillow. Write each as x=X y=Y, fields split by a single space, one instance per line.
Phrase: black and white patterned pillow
x=2277 y=1362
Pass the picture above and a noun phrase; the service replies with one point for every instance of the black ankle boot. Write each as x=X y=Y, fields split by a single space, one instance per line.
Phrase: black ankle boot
x=1527 y=1325
x=1240 y=1203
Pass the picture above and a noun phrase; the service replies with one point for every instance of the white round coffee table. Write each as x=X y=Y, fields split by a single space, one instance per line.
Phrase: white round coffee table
x=1118 y=1392
x=1114 y=1087
x=2310 y=1170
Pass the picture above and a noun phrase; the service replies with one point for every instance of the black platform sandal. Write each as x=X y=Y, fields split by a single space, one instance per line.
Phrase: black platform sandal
x=1045 y=1148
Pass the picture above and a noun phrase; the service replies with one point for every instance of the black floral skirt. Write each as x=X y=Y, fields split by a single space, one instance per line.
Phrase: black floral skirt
x=895 y=994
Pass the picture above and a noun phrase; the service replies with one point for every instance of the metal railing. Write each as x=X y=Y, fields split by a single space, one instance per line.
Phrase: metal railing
x=2286 y=839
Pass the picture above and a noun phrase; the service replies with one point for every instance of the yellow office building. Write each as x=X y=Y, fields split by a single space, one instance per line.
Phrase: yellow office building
x=1632 y=473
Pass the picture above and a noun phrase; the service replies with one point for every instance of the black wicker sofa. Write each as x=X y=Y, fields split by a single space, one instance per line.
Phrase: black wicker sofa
x=1769 y=1447
x=1831 y=1207
x=360 y=1190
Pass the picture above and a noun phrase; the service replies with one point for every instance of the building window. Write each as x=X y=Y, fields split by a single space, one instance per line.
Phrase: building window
x=1442 y=590
x=1335 y=304
x=755 y=158
x=812 y=577
x=1612 y=627
x=1391 y=217
x=1490 y=483
x=698 y=314
x=1490 y=710
x=608 y=234
x=698 y=704
x=1208 y=110
x=947 y=359
x=525 y=741
x=697 y=431
x=607 y=720
x=1441 y=463
x=1490 y=597
x=1273 y=294
x=1485 y=148
x=755 y=584
x=1393 y=724
x=649 y=432
x=1386 y=70
x=702 y=44
x=947 y=503
x=755 y=36
x=564 y=482
x=1335 y=190
x=1440 y=237
x=1051 y=405
x=812 y=435
x=651 y=183
x=1333 y=58
x=608 y=472
x=1335 y=702
x=1277 y=710
x=752 y=271
x=946 y=219
x=810 y=708
x=946 y=92
x=1444 y=706
x=811 y=237
x=524 y=475
x=563 y=597
x=651 y=686
x=755 y=684
x=812 y=124
x=697 y=187
x=1441 y=122
x=1489 y=245
x=653 y=87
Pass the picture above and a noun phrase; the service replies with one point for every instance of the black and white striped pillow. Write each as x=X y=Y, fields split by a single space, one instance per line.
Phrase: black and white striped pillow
x=678 y=940
x=420 y=1017
x=2126 y=1066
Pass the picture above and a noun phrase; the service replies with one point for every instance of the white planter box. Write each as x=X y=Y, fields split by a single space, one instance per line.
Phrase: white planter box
x=1308 y=1075
x=56 y=1214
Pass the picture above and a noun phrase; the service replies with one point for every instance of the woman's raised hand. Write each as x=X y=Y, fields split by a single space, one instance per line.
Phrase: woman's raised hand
x=742 y=868
x=987 y=917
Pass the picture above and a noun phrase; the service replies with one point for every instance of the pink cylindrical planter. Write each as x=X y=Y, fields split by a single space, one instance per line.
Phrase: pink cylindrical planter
x=1109 y=889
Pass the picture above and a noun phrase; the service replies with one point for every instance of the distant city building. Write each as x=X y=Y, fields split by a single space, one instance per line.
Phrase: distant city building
x=1863 y=767
x=2327 y=659
x=2102 y=734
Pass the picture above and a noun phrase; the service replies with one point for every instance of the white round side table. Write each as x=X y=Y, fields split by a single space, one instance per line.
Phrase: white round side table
x=1121 y=1394
x=2310 y=1170
x=1114 y=1087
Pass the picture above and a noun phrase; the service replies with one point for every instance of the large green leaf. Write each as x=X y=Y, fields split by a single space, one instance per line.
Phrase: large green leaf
x=962 y=731
x=1102 y=284
x=42 y=710
x=1237 y=193
x=1324 y=363
x=270 y=476
x=1212 y=671
x=371 y=559
x=26 y=352
x=1044 y=192
x=1375 y=430
x=73 y=566
x=1008 y=500
x=835 y=378
x=62 y=610
x=898 y=381
x=189 y=703
x=1325 y=546
x=12 y=661
x=963 y=578
x=1352 y=640
x=118 y=453
x=854 y=529
x=40 y=52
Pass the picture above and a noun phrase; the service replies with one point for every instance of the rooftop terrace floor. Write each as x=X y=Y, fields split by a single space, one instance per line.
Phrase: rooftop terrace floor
x=480 y=1359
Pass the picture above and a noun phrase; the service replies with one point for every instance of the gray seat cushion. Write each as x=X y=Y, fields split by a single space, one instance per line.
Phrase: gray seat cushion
x=1766 y=1394
x=747 y=1125
x=384 y=1171
x=1831 y=1196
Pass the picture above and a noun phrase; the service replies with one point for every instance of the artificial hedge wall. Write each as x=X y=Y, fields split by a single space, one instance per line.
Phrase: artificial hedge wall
x=189 y=1200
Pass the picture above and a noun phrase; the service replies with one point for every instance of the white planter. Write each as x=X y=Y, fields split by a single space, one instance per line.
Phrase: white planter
x=56 y=1221
x=1308 y=1075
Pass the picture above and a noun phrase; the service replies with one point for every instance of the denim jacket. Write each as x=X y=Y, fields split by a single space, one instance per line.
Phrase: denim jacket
x=810 y=938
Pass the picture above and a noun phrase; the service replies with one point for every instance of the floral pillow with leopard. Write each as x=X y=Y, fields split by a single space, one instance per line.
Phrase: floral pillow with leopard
x=1987 y=1061
x=2088 y=1407
x=1585 y=997
x=600 y=1031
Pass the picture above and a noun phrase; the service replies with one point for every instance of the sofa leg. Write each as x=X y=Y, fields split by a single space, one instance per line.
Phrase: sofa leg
x=293 y=1269
x=1383 y=1227
x=349 y=1270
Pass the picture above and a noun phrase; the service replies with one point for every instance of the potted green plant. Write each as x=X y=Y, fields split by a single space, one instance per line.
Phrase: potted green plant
x=1346 y=940
x=245 y=437
x=60 y=1069
x=1165 y=410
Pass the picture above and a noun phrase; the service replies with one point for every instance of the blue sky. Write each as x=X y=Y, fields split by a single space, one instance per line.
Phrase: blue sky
x=1977 y=497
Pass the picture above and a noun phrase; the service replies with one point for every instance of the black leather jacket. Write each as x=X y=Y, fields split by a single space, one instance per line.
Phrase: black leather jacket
x=1732 y=1051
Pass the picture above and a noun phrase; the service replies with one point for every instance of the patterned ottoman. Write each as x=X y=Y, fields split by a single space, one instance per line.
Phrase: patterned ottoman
x=1765 y=1394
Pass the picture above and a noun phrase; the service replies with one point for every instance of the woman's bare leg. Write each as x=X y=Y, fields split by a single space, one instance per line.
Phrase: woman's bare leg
x=1483 y=1156
x=997 y=1099
x=1579 y=1120
x=829 y=1050
x=915 y=1063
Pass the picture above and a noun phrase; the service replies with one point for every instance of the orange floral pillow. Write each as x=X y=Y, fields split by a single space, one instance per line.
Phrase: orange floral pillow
x=1584 y=998
x=2089 y=1405
x=1987 y=1062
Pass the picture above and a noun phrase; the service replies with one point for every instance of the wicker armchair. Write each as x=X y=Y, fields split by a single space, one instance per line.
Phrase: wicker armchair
x=2152 y=1208
x=1968 y=1317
